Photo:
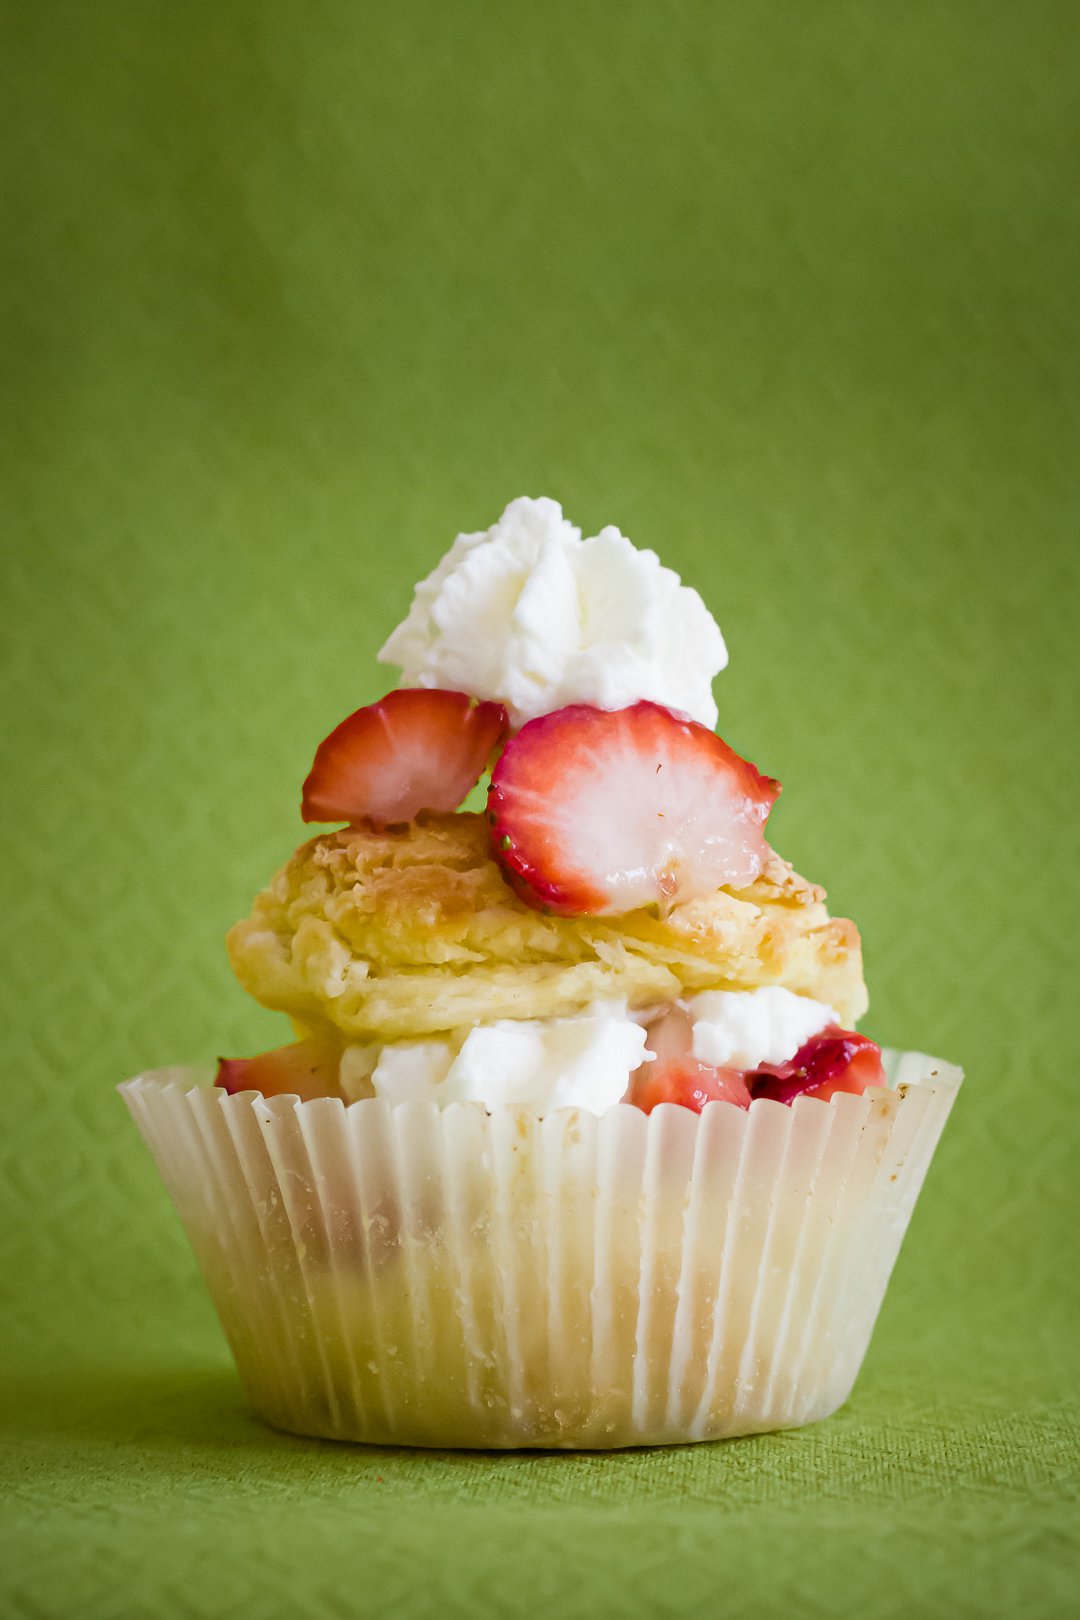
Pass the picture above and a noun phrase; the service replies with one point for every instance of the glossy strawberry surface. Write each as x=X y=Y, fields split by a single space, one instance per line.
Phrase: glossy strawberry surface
x=835 y=1060
x=597 y=812
x=416 y=749
x=688 y=1083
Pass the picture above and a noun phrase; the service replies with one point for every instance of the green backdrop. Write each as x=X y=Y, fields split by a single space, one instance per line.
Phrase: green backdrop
x=789 y=291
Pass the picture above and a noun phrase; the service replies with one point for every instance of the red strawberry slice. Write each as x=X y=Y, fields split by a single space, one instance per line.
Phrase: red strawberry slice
x=676 y=1076
x=305 y=1069
x=598 y=811
x=834 y=1060
x=416 y=749
x=687 y=1082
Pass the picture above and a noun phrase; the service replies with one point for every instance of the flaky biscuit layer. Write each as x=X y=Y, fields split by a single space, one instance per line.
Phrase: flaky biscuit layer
x=410 y=932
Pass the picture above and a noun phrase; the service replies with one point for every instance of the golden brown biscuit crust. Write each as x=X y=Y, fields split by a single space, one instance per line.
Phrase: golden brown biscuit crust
x=413 y=931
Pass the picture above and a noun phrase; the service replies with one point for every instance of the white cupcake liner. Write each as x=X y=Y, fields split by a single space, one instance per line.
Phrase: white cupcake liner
x=410 y=1276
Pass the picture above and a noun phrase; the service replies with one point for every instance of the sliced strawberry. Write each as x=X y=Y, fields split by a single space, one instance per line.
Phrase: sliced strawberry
x=306 y=1069
x=597 y=811
x=687 y=1082
x=835 y=1060
x=676 y=1076
x=416 y=749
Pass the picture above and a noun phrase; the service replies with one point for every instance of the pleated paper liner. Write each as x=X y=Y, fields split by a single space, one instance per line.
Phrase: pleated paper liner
x=410 y=1276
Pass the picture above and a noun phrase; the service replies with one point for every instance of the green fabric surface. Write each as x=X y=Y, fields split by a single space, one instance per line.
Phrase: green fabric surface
x=293 y=294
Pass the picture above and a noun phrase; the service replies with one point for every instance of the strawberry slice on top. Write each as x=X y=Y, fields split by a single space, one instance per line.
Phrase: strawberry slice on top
x=416 y=749
x=597 y=811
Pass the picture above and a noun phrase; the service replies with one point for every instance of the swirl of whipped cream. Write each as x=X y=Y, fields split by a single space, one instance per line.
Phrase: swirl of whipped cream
x=531 y=615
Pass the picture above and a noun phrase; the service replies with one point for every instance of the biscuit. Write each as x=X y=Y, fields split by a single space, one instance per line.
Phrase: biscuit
x=413 y=931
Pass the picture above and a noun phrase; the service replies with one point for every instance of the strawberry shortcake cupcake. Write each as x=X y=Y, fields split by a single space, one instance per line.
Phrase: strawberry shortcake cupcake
x=576 y=1142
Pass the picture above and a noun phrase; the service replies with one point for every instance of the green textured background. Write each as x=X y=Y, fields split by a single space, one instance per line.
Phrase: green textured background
x=789 y=291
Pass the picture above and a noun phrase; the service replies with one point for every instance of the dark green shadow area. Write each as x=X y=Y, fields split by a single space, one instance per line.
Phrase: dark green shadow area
x=195 y=1423
x=145 y=1471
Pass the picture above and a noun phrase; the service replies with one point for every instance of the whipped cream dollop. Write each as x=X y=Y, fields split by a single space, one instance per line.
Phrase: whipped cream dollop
x=738 y=1029
x=531 y=615
x=543 y=1064
x=581 y=1062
